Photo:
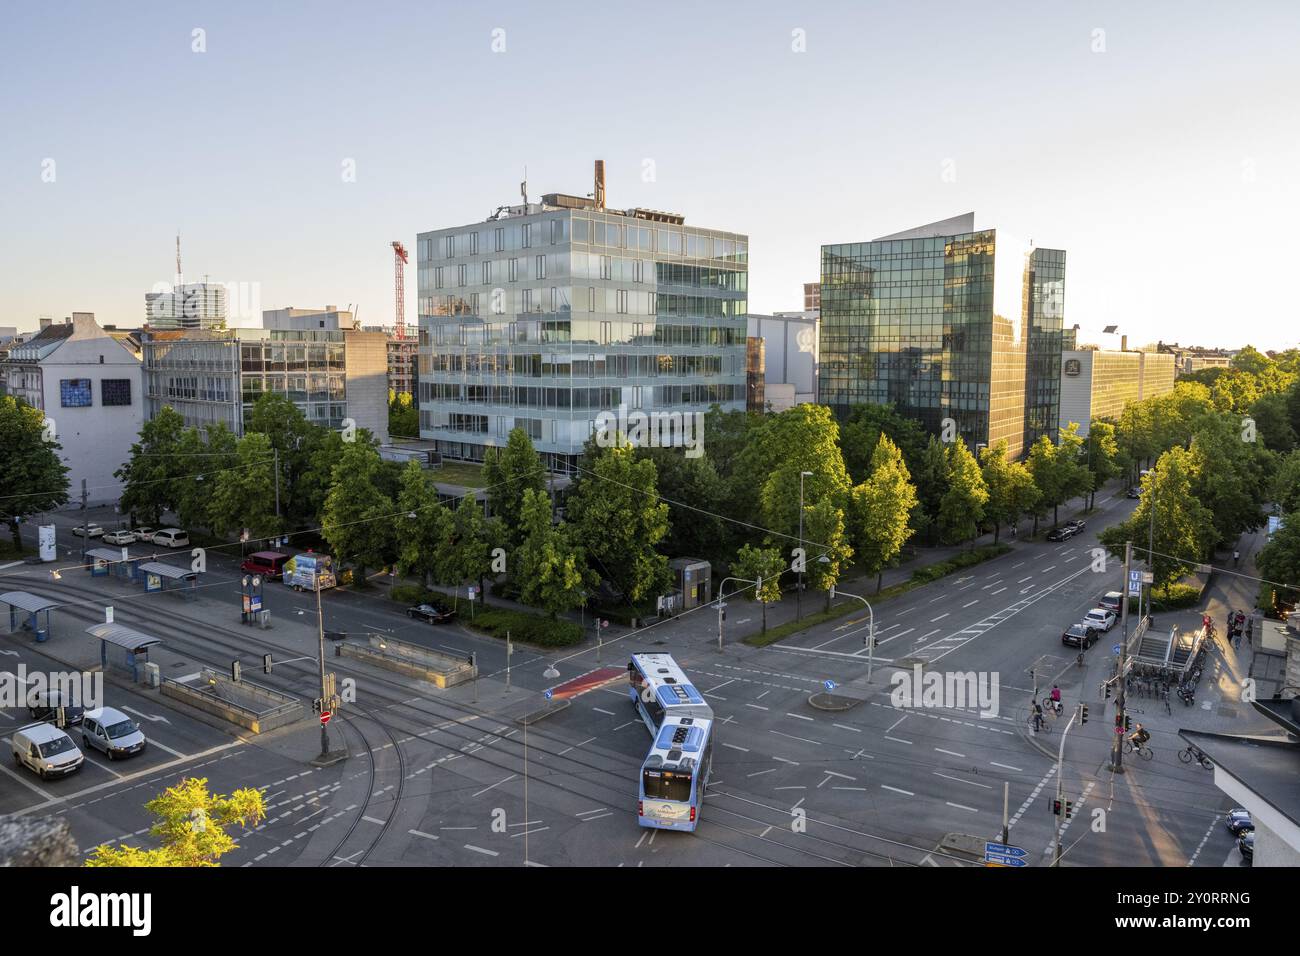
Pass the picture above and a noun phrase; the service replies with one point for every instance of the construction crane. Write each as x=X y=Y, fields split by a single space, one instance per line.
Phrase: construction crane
x=399 y=287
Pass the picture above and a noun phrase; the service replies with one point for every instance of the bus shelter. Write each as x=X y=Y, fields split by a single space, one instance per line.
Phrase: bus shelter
x=159 y=576
x=116 y=561
x=122 y=649
x=28 y=608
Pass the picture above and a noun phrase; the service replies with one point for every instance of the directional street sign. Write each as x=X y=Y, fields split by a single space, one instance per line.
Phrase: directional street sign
x=1004 y=854
x=1135 y=582
x=548 y=695
x=1115 y=650
x=829 y=684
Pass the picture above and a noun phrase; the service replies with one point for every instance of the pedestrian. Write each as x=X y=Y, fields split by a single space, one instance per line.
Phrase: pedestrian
x=1236 y=556
x=1013 y=531
x=1038 y=716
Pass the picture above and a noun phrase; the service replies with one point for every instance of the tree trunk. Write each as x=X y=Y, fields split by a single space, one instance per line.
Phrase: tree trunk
x=1056 y=514
x=880 y=578
x=17 y=533
x=828 y=599
x=997 y=532
x=764 y=617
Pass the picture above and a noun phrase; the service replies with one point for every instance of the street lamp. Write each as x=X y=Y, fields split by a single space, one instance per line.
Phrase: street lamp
x=758 y=586
x=871 y=626
x=798 y=594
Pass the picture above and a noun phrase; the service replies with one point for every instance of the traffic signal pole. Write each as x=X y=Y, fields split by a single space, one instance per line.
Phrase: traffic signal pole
x=1117 y=745
x=1060 y=787
x=320 y=630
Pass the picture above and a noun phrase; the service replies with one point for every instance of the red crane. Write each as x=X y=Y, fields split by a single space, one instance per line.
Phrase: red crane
x=399 y=286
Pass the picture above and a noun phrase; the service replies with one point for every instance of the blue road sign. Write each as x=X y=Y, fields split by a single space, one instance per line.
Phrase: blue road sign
x=547 y=694
x=1004 y=854
x=828 y=684
x=1003 y=860
x=1115 y=650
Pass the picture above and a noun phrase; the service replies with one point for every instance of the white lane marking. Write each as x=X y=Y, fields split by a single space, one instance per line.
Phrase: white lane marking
x=1023 y=580
x=798 y=716
x=373 y=820
x=497 y=784
x=759 y=773
x=906 y=793
x=940 y=617
x=897 y=740
x=960 y=780
x=972 y=604
x=735 y=747
x=896 y=723
x=602 y=710
x=929 y=634
x=899 y=634
x=998 y=591
x=961 y=806
x=794 y=763
x=856 y=730
x=479 y=849
x=758 y=706
x=422 y=834
x=719 y=687
x=1005 y=766
x=952 y=753
x=793 y=737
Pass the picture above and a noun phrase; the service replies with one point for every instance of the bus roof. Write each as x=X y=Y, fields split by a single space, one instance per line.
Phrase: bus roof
x=680 y=743
x=672 y=688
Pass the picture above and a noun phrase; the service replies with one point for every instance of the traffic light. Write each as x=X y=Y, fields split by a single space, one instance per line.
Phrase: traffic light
x=1056 y=807
x=1083 y=714
x=1128 y=722
x=1069 y=809
x=1067 y=805
x=266 y=663
x=234 y=671
x=1107 y=685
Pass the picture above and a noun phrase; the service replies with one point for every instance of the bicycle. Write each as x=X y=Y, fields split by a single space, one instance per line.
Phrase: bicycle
x=1053 y=707
x=1043 y=726
x=1187 y=755
x=1145 y=752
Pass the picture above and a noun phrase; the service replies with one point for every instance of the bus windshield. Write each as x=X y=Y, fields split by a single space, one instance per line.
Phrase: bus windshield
x=667 y=785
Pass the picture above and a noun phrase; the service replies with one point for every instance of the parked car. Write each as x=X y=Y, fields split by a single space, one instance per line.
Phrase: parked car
x=1099 y=618
x=88 y=531
x=143 y=533
x=432 y=613
x=1111 y=601
x=112 y=732
x=45 y=705
x=269 y=564
x=1065 y=531
x=1134 y=492
x=45 y=750
x=1080 y=635
x=1246 y=845
x=119 y=537
x=1239 y=821
x=171 y=538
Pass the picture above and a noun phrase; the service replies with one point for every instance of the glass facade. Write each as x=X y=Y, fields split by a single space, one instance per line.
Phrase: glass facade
x=930 y=325
x=1045 y=319
x=544 y=319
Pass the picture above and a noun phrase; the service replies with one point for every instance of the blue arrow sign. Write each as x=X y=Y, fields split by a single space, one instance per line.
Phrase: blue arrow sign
x=828 y=684
x=1003 y=849
x=1004 y=860
x=1115 y=650
x=547 y=694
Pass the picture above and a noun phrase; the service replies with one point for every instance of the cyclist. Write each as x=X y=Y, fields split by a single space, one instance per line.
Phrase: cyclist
x=1056 y=699
x=1139 y=737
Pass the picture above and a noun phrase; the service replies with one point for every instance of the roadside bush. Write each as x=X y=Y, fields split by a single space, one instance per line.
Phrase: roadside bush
x=530 y=628
x=1175 y=596
x=407 y=593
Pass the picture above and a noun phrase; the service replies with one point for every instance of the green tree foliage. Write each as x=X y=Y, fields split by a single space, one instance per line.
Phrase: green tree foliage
x=510 y=473
x=1011 y=488
x=148 y=477
x=695 y=531
x=1232 y=476
x=881 y=510
x=616 y=517
x=1273 y=422
x=32 y=476
x=295 y=438
x=1286 y=483
x=422 y=525
x=356 y=519
x=1100 y=456
x=862 y=430
x=962 y=507
x=931 y=485
x=403 y=416
x=243 y=496
x=467 y=555
x=764 y=566
x=1183 y=528
x=549 y=569
x=1235 y=391
x=825 y=537
x=191 y=824
x=1279 y=560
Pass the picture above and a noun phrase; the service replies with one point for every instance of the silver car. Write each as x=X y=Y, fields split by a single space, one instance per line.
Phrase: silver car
x=112 y=732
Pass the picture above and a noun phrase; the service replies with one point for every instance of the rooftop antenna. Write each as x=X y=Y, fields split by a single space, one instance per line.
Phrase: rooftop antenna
x=523 y=187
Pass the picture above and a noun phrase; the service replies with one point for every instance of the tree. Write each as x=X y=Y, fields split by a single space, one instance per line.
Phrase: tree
x=1058 y=473
x=1183 y=528
x=882 y=507
x=467 y=555
x=1075 y=476
x=825 y=537
x=148 y=477
x=356 y=519
x=202 y=460
x=862 y=430
x=1010 y=486
x=1101 y=454
x=1273 y=423
x=550 y=571
x=403 y=416
x=1279 y=560
x=32 y=476
x=962 y=507
x=617 y=518
x=763 y=566
x=295 y=439
x=244 y=496
x=1135 y=436
x=510 y=473
x=698 y=530
x=313 y=483
x=422 y=525
x=1286 y=483
x=931 y=483
x=1231 y=476
x=191 y=823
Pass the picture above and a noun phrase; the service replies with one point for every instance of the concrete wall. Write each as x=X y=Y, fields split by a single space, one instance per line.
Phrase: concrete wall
x=97 y=439
x=367 y=381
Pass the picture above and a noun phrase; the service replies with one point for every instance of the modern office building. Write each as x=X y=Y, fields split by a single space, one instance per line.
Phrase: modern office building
x=945 y=322
x=195 y=305
x=88 y=385
x=211 y=376
x=549 y=313
x=755 y=375
x=812 y=296
x=1098 y=384
x=790 y=351
x=330 y=319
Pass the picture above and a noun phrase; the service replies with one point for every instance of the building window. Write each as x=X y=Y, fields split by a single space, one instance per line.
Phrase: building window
x=540 y=267
x=115 y=391
x=607 y=267
x=462 y=271
x=75 y=393
x=487 y=272
x=473 y=243
x=514 y=270
x=437 y=277
x=528 y=234
x=591 y=299
x=622 y=301
x=500 y=239
x=450 y=247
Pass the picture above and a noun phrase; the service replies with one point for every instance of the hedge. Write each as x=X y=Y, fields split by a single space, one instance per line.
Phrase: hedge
x=1175 y=596
x=414 y=594
x=966 y=559
x=530 y=628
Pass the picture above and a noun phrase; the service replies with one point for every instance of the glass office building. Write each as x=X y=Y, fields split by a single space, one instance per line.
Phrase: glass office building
x=928 y=321
x=552 y=312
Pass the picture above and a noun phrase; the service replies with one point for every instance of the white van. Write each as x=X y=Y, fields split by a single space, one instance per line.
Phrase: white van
x=172 y=538
x=112 y=732
x=45 y=750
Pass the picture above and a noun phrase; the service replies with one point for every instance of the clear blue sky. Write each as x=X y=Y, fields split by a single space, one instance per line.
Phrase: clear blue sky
x=1166 y=165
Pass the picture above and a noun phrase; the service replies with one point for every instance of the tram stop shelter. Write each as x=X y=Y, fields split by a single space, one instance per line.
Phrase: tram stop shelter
x=115 y=561
x=122 y=649
x=33 y=606
x=159 y=576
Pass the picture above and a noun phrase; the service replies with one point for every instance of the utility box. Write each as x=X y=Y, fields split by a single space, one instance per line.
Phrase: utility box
x=152 y=675
x=264 y=618
x=694 y=579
